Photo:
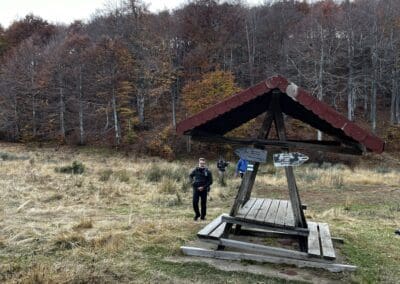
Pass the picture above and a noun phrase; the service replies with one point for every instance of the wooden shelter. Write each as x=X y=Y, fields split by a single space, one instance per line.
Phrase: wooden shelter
x=275 y=97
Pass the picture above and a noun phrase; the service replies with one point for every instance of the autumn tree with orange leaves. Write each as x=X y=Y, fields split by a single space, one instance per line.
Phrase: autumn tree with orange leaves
x=212 y=88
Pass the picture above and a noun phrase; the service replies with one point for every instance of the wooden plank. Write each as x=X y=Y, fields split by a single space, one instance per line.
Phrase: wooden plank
x=228 y=255
x=281 y=213
x=210 y=226
x=261 y=249
x=217 y=233
x=263 y=226
x=262 y=213
x=289 y=218
x=273 y=209
x=246 y=207
x=313 y=240
x=326 y=241
x=254 y=210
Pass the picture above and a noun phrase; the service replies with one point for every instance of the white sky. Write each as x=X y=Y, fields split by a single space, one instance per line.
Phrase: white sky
x=66 y=11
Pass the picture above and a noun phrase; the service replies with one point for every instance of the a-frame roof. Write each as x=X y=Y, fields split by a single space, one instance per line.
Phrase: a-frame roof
x=294 y=101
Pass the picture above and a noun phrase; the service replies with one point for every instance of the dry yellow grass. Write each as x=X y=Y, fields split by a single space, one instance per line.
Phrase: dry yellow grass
x=113 y=222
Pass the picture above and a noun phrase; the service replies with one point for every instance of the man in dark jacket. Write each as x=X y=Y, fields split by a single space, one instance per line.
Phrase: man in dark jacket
x=221 y=166
x=201 y=179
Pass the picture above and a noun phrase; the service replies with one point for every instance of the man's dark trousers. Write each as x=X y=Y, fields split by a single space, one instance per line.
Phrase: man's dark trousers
x=203 y=196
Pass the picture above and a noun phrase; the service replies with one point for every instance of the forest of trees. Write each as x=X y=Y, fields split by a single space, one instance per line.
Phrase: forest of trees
x=128 y=73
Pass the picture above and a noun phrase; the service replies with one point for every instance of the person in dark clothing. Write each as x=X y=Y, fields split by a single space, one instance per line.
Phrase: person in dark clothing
x=221 y=165
x=201 y=180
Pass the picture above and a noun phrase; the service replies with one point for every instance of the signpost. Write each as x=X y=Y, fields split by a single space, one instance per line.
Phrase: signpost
x=252 y=154
x=289 y=159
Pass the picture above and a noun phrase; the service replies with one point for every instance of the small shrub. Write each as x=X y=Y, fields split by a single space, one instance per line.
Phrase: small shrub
x=168 y=186
x=83 y=224
x=348 y=203
x=326 y=165
x=309 y=176
x=66 y=241
x=54 y=197
x=340 y=167
x=105 y=175
x=185 y=185
x=336 y=180
x=11 y=157
x=111 y=242
x=382 y=170
x=156 y=173
x=122 y=175
x=167 y=200
x=76 y=168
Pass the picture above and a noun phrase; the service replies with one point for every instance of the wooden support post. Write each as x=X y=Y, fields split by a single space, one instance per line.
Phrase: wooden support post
x=247 y=184
x=299 y=218
x=264 y=132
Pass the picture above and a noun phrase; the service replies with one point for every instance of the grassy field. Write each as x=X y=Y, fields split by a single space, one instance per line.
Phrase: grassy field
x=123 y=218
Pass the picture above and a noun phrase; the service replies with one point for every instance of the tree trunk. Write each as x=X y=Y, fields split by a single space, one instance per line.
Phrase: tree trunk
x=33 y=115
x=398 y=108
x=116 y=128
x=375 y=77
x=16 y=123
x=62 y=112
x=320 y=76
x=365 y=96
x=140 y=106
x=350 y=88
x=173 y=109
x=33 y=99
x=81 y=129
x=250 y=53
x=394 y=95
x=107 y=118
x=393 y=98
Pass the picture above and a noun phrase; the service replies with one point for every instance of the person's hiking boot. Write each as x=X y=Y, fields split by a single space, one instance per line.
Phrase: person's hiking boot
x=195 y=218
x=203 y=218
x=397 y=232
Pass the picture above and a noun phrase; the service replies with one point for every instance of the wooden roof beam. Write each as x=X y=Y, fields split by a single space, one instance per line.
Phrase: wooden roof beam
x=324 y=146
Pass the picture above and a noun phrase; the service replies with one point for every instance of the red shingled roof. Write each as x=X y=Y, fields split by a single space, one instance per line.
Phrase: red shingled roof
x=295 y=101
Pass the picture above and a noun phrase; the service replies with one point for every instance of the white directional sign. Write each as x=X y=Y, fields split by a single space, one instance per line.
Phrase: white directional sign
x=289 y=159
x=252 y=154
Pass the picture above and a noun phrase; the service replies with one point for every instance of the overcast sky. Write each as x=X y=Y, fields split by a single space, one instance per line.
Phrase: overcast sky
x=66 y=11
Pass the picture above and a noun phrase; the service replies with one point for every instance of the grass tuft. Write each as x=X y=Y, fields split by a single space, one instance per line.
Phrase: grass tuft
x=69 y=240
x=11 y=157
x=77 y=168
x=83 y=224
x=122 y=176
x=105 y=175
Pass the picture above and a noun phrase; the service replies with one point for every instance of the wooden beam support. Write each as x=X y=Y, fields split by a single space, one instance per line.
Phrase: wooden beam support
x=324 y=146
x=264 y=132
x=300 y=220
x=228 y=255
x=263 y=226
